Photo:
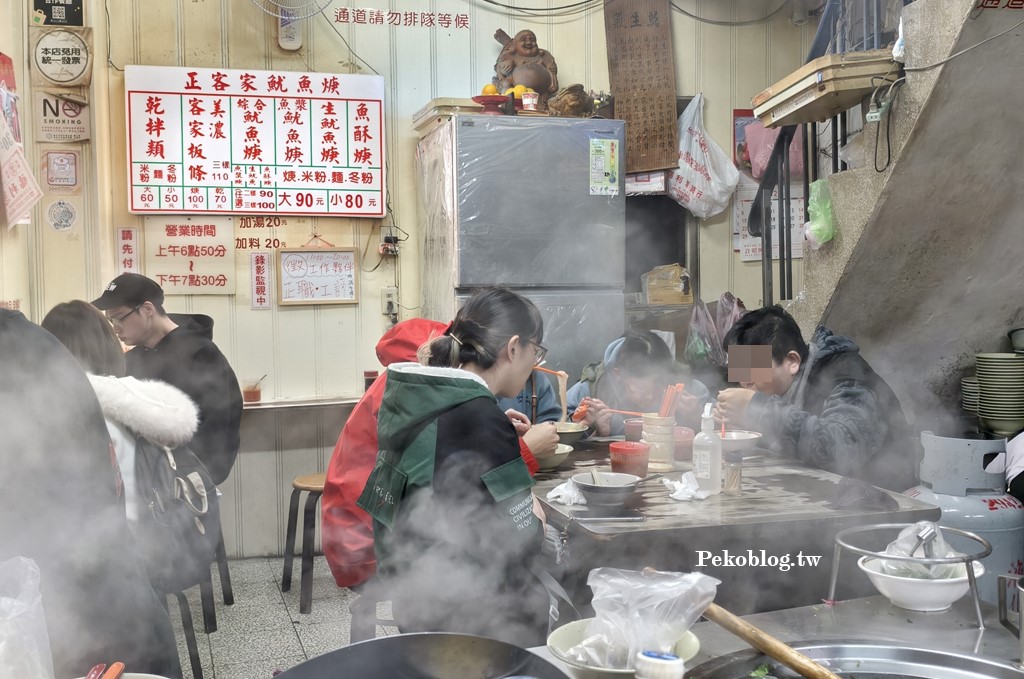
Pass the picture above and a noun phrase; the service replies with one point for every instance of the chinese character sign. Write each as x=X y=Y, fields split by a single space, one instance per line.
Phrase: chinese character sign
x=381 y=17
x=128 y=250
x=259 y=279
x=205 y=140
x=191 y=255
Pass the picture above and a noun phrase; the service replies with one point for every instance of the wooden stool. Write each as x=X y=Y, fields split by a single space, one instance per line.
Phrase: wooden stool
x=314 y=485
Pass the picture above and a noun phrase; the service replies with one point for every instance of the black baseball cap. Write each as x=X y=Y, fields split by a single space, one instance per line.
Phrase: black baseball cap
x=129 y=289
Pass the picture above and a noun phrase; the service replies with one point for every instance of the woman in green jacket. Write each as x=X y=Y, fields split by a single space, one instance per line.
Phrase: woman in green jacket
x=457 y=530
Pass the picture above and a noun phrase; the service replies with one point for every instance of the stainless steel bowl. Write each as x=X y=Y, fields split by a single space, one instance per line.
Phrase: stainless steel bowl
x=614 y=490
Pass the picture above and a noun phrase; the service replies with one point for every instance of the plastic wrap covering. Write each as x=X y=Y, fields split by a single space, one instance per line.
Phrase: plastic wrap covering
x=535 y=204
x=435 y=178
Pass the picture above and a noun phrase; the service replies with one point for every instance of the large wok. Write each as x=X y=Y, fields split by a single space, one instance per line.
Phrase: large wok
x=426 y=656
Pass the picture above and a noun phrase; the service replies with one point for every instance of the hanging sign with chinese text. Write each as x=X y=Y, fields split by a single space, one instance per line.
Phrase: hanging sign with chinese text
x=642 y=74
x=127 y=250
x=191 y=255
x=61 y=56
x=254 y=142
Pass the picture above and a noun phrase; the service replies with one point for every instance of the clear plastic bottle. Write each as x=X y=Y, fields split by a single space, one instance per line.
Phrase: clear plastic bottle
x=707 y=455
x=733 y=472
x=654 y=665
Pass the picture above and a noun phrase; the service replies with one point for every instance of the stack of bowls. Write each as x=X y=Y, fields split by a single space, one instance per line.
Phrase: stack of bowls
x=969 y=394
x=1001 y=393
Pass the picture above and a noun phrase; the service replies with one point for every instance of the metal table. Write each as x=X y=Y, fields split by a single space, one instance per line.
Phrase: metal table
x=782 y=513
x=866 y=619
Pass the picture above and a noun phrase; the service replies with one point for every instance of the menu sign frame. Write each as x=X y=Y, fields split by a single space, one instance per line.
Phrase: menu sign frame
x=232 y=141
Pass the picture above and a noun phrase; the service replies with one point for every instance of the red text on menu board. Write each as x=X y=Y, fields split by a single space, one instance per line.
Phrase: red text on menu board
x=255 y=142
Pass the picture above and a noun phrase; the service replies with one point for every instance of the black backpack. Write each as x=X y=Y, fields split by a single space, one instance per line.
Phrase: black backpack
x=179 y=516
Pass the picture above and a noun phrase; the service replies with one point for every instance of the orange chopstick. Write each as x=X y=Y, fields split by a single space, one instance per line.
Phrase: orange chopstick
x=625 y=412
x=549 y=370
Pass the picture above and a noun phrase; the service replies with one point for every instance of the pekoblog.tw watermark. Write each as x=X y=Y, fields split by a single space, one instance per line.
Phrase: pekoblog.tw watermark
x=755 y=559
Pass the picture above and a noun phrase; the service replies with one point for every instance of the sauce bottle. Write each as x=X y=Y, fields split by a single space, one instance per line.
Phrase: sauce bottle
x=707 y=455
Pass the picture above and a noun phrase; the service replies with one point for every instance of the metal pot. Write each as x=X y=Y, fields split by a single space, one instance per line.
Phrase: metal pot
x=863 y=660
x=426 y=656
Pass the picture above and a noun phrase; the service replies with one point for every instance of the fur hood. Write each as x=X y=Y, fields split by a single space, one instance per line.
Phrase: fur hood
x=154 y=410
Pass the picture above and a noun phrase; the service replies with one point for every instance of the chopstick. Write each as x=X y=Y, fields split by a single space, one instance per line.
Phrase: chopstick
x=114 y=671
x=549 y=370
x=668 y=402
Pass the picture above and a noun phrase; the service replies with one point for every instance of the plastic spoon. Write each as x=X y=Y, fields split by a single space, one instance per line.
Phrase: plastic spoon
x=96 y=671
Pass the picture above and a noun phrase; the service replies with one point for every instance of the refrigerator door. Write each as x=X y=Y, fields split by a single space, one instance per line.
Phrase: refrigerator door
x=539 y=202
x=578 y=324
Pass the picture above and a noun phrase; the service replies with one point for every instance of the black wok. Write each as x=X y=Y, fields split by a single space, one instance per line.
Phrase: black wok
x=426 y=656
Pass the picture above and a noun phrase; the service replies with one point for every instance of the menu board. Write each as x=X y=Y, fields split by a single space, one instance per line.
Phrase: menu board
x=642 y=74
x=206 y=140
x=318 y=276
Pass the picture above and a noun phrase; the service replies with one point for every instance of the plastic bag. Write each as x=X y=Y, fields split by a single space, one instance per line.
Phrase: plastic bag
x=761 y=143
x=24 y=642
x=703 y=343
x=640 y=611
x=940 y=549
x=820 y=229
x=729 y=311
x=706 y=178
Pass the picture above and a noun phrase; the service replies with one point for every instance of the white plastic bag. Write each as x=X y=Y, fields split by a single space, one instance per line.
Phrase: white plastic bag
x=706 y=177
x=640 y=611
x=24 y=642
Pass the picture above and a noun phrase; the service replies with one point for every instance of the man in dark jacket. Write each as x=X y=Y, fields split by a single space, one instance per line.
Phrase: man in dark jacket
x=823 y=402
x=179 y=349
x=61 y=506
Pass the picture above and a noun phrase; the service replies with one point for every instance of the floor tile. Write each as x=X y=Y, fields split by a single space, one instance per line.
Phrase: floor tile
x=231 y=646
x=323 y=610
x=322 y=638
x=260 y=669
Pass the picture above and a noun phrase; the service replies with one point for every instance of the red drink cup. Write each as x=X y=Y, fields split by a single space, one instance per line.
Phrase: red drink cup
x=630 y=457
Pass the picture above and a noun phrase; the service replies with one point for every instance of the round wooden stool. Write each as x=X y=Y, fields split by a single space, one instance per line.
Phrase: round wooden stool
x=314 y=485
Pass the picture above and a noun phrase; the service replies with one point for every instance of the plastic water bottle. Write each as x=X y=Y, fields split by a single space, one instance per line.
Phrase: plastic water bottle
x=707 y=455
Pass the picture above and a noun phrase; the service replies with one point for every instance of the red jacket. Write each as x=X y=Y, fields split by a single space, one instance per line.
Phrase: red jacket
x=346 y=530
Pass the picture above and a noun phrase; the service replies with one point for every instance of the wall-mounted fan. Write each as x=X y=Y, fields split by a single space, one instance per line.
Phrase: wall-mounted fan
x=288 y=14
x=292 y=9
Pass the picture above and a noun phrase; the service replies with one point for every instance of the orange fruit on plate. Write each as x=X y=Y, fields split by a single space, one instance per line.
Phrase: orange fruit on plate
x=489 y=89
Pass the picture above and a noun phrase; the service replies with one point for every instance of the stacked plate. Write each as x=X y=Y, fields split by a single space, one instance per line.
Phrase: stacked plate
x=1001 y=393
x=969 y=394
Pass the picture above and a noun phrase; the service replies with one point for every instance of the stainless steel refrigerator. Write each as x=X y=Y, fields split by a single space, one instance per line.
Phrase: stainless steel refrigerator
x=535 y=204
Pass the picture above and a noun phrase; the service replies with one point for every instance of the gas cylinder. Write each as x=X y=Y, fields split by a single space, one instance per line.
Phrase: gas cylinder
x=953 y=477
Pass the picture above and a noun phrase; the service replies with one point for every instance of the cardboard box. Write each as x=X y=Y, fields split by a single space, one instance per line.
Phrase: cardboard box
x=824 y=87
x=668 y=284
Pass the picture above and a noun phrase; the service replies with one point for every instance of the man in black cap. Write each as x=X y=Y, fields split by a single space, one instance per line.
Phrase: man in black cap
x=179 y=349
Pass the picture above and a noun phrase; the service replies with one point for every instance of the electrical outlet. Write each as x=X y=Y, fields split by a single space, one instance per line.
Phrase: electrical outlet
x=389 y=300
x=873 y=115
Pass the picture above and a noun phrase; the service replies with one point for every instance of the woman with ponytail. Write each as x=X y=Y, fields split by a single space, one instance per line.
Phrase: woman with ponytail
x=457 y=530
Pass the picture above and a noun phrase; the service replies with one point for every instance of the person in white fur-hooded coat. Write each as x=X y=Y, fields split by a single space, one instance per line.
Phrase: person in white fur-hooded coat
x=154 y=410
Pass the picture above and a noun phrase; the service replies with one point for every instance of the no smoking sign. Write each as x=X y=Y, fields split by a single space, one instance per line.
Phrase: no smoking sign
x=59 y=120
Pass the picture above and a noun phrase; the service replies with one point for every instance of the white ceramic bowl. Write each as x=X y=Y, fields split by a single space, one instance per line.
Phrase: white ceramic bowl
x=549 y=462
x=570 y=432
x=570 y=634
x=1017 y=338
x=739 y=439
x=917 y=594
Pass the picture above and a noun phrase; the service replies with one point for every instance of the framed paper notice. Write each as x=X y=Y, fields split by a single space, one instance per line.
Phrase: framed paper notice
x=317 y=276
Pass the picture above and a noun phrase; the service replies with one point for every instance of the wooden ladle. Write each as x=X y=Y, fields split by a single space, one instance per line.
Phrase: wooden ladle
x=767 y=644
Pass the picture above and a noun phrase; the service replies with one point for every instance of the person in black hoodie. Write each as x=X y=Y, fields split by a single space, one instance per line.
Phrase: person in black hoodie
x=62 y=505
x=179 y=349
x=823 y=402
